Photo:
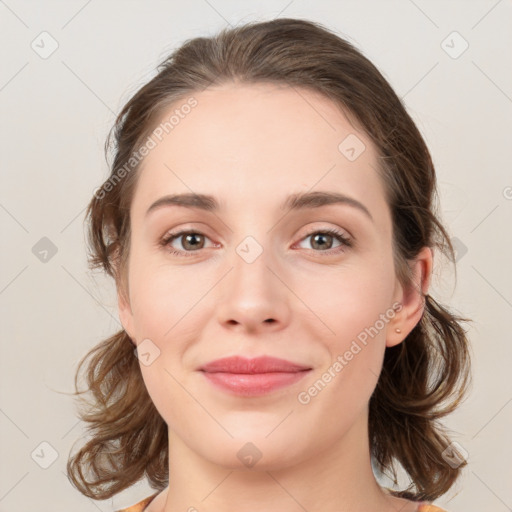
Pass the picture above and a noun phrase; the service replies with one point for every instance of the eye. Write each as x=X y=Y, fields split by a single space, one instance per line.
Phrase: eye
x=322 y=240
x=191 y=241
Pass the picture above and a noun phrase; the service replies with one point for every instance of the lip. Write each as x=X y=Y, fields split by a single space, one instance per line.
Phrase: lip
x=253 y=377
x=262 y=364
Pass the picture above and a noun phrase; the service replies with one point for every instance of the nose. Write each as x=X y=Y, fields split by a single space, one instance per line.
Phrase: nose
x=253 y=297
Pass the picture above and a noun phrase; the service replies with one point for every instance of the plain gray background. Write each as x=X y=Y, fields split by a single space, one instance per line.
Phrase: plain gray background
x=56 y=110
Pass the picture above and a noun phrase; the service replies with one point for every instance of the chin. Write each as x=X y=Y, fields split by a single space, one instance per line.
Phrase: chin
x=253 y=452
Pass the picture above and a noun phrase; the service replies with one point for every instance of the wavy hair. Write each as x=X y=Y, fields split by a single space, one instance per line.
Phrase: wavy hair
x=423 y=378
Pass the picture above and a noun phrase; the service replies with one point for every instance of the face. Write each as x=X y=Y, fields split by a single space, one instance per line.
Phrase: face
x=313 y=284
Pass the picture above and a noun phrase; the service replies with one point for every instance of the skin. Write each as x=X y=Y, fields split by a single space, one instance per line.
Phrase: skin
x=251 y=146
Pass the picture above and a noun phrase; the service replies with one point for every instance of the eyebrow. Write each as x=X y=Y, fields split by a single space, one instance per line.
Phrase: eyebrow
x=299 y=201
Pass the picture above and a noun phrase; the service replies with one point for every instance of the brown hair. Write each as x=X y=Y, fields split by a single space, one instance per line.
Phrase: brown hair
x=423 y=378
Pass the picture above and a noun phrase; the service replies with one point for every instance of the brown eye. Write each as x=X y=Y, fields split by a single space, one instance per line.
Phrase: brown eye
x=191 y=241
x=322 y=241
x=319 y=241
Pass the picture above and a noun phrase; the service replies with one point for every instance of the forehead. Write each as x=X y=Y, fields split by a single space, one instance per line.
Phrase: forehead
x=258 y=143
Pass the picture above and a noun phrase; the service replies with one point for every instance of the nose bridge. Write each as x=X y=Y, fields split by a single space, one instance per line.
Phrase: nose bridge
x=253 y=247
x=251 y=274
x=252 y=294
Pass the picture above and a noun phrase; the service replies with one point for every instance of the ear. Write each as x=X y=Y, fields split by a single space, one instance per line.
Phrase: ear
x=411 y=298
x=123 y=295
x=125 y=313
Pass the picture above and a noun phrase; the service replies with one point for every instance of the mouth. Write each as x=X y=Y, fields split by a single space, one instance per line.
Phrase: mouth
x=254 y=384
x=253 y=377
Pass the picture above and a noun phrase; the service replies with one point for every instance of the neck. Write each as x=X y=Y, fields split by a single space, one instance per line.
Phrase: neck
x=337 y=479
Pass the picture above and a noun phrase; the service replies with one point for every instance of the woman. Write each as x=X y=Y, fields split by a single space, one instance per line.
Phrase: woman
x=269 y=372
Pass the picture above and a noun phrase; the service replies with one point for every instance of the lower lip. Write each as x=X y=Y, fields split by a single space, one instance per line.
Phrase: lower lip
x=254 y=384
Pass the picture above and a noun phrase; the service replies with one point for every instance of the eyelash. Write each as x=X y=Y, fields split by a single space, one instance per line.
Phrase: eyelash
x=345 y=242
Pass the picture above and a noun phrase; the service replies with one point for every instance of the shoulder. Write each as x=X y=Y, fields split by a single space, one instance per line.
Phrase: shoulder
x=422 y=506
x=141 y=505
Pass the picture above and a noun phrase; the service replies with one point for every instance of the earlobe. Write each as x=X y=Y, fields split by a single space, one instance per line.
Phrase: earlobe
x=411 y=299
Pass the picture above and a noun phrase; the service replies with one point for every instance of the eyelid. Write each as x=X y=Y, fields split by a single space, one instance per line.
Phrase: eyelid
x=319 y=226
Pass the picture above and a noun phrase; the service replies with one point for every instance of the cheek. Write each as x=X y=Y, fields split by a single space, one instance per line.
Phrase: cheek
x=349 y=299
x=161 y=299
x=355 y=308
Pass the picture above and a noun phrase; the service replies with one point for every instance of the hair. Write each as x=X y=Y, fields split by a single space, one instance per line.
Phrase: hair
x=423 y=378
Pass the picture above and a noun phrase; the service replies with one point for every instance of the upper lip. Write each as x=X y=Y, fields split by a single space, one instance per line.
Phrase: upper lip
x=262 y=364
